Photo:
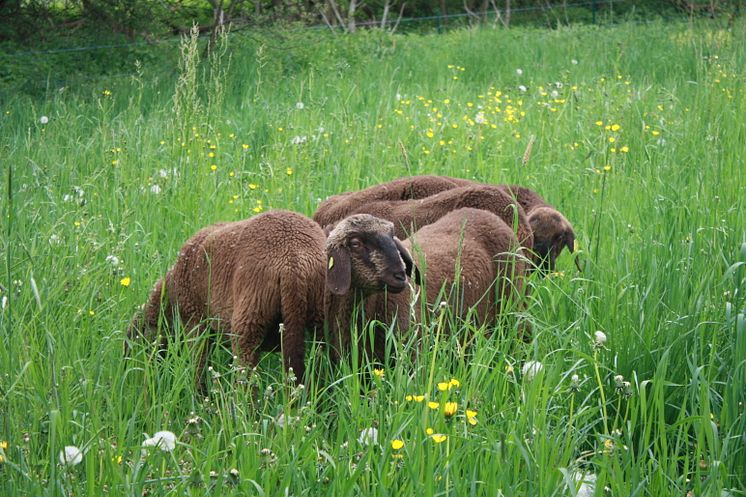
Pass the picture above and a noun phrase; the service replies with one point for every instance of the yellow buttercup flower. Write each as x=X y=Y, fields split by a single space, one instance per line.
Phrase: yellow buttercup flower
x=450 y=409
x=397 y=444
x=429 y=431
x=433 y=405
x=379 y=373
x=438 y=438
x=443 y=386
x=125 y=281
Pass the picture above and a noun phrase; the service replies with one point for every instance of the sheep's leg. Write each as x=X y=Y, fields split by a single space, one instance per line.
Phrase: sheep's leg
x=253 y=316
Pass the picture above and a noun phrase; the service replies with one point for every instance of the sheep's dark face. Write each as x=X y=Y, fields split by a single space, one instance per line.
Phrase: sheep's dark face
x=363 y=253
x=552 y=233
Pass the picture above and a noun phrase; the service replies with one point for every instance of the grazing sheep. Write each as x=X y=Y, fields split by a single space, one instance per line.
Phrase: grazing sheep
x=470 y=254
x=363 y=258
x=339 y=206
x=552 y=231
x=244 y=278
x=410 y=215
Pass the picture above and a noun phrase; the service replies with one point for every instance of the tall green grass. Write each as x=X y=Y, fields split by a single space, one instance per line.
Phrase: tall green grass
x=637 y=137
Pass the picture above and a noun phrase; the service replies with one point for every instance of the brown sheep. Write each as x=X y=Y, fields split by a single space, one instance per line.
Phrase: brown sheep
x=410 y=215
x=363 y=258
x=470 y=254
x=244 y=278
x=339 y=206
x=552 y=231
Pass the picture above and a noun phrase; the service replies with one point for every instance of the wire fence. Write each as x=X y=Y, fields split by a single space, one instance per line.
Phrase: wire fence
x=492 y=16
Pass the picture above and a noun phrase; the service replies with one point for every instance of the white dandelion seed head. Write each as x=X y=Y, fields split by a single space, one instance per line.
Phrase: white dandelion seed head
x=522 y=89
x=71 y=456
x=113 y=260
x=44 y=119
x=67 y=197
x=558 y=84
x=369 y=436
x=479 y=118
x=54 y=239
x=575 y=379
x=531 y=368
x=299 y=140
x=300 y=105
x=587 y=484
x=599 y=338
x=163 y=173
x=155 y=189
x=164 y=440
x=554 y=94
x=519 y=71
x=574 y=62
x=79 y=191
x=398 y=96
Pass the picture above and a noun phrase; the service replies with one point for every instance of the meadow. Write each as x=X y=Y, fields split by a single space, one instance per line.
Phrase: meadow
x=636 y=132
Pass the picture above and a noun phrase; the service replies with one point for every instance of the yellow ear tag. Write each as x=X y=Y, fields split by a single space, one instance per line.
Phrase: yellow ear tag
x=331 y=262
x=575 y=245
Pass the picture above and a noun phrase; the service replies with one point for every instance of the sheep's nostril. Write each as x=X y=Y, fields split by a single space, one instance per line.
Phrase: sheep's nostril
x=400 y=276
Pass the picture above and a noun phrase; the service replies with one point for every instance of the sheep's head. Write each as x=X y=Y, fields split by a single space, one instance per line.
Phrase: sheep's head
x=552 y=233
x=363 y=253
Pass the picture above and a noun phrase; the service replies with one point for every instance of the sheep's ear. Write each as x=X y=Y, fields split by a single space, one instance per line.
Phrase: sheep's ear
x=338 y=271
x=328 y=229
x=409 y=266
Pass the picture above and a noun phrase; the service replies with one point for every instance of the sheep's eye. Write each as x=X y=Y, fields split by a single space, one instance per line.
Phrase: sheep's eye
x=356 y=244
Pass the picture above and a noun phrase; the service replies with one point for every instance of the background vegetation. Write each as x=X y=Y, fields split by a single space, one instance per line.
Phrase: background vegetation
x=636 y=134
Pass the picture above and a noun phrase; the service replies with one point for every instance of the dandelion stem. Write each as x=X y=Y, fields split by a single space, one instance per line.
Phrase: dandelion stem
x=601 y=392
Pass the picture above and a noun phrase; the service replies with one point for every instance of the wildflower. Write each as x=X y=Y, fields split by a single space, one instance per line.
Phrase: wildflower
x=155 y=189
x=44 y=119
x=519 y=71
x=245 y=146
x=599 y=338
x=433 y=405
x=619 y=381
x=415 y=398
x=257 y=209
x=575 y=382
x=106 y=93
x=125 y=282
x=624 y=149
x=253 y=186
x=438 y=437
x=378 y=373
x=587 y=484
x=454 y=383
x=164 y=440
x=299 y=105
x=655 y=133
x=211 y=155
x=71 y=456
x=369 y=436
x=397 y=444
x=3 y=444
x=615 y=127
x=471 y=417
x=599 y=123
x=213 y=168
x=449 y=409
x=531 y=369
x=608 y=446
x=289 y=171
x=443 y=386
x=113 y=260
